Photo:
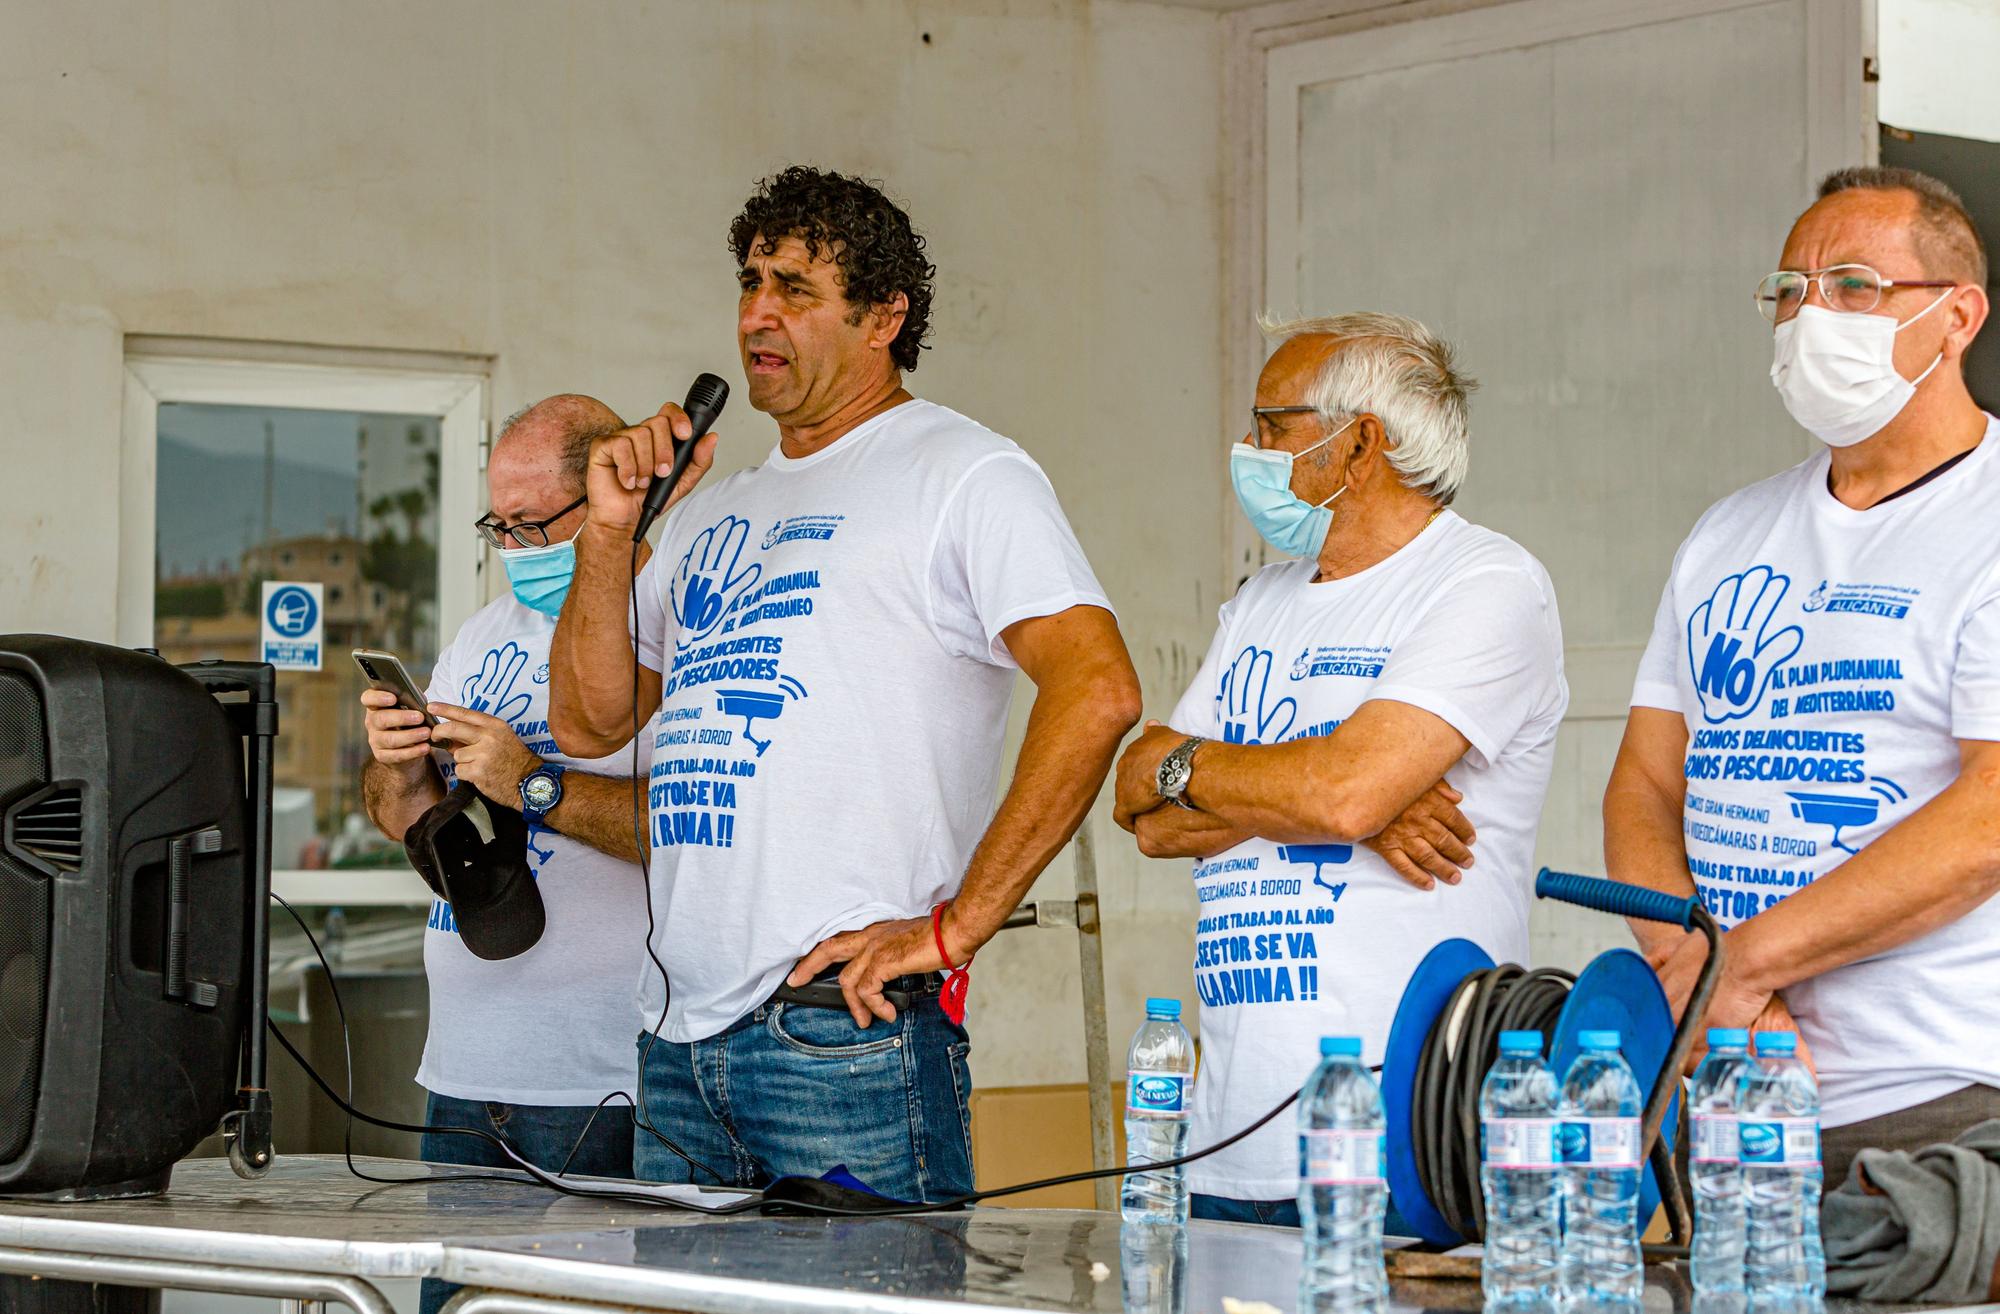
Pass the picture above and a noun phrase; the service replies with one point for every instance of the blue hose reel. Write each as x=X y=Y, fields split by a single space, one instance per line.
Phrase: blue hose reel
x=1617 y=991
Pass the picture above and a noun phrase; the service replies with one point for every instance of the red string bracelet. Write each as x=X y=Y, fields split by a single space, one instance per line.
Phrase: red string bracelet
x=957 y=979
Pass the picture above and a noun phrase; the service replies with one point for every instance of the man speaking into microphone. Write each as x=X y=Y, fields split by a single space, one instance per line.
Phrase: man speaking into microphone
x=829 y=640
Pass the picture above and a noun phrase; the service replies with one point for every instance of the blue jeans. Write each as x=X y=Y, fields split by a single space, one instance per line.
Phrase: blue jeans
x=795 y=1091
x=542 y=1134
x=1273 y=1213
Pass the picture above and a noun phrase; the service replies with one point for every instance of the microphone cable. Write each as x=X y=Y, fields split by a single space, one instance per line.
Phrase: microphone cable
x=353 y=1114
x=755 y=1199
x=642 y=847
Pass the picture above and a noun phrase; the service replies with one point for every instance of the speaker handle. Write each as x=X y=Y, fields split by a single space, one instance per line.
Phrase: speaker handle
x=180 y=876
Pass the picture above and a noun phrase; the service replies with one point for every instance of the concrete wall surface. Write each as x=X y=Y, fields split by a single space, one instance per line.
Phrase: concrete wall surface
x=551 y=185
x=1936 y=60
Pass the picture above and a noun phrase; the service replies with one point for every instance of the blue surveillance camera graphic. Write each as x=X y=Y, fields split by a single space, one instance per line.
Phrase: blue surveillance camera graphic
x=755 y=705
x=1321 y=856
x=541 y=855
x=1843 y=810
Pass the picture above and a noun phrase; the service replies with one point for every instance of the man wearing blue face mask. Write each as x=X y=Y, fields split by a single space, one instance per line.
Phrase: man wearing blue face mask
x=526 y=1047
x=1814 y=740
x=1405 y=661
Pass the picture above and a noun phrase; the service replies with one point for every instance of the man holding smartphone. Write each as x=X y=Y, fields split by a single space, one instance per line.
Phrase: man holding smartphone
x=526 y=1047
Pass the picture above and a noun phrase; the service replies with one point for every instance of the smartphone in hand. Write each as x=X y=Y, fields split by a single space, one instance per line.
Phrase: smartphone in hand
x=385 y=671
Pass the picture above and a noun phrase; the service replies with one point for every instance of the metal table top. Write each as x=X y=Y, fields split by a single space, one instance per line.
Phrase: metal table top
x=310 y=1213
x=1013 y=1260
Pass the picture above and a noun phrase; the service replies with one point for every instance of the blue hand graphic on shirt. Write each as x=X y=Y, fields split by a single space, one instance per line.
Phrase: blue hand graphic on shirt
x=1732 y=651
x=1248 y=715
x=490 y=689
x=709 y=578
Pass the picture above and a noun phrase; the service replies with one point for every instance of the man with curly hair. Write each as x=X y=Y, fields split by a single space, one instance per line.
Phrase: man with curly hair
x=829 y=640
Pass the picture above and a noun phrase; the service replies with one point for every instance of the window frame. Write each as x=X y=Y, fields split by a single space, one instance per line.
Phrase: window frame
x=452 y=388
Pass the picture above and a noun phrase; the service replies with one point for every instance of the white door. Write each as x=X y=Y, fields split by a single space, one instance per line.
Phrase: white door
x=1580 y=196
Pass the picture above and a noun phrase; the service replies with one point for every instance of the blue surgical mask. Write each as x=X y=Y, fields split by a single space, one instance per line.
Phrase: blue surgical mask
x=1263 y=482
x=541 y=575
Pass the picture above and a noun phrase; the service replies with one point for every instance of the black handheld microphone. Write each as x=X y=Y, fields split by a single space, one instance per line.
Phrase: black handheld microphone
x=705 y=399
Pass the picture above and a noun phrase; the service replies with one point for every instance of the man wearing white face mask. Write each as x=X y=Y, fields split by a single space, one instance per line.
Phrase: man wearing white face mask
x=525 y=1047
x=1812 y=741
x=1407 y=660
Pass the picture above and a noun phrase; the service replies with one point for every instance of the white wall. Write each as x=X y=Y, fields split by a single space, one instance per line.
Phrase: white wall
x=1936 y=59
x=551 y=185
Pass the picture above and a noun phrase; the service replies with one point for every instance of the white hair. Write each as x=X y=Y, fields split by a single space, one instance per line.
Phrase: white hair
x=1395 y=369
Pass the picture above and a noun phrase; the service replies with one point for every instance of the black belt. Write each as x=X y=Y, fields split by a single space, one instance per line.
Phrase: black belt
x=823 y=991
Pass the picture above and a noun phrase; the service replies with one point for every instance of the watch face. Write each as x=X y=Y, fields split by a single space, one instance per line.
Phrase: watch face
x=539 y=791
x=1174 y=775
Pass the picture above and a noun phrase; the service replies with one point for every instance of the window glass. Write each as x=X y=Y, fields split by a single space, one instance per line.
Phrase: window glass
x=345 y=500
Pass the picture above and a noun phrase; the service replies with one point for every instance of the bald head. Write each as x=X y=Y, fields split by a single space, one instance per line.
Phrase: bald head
x=539 y=463
x=554 y=435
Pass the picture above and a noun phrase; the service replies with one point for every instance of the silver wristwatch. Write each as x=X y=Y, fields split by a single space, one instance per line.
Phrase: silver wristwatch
x=1176 y=769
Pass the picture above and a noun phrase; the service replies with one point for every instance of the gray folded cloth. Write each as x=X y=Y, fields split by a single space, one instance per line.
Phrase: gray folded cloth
x=1934 y=1232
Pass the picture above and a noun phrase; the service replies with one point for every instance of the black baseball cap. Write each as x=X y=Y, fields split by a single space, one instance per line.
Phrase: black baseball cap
x=473 y=853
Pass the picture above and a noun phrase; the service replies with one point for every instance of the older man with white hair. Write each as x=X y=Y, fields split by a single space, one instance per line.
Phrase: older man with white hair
x=1405 y=661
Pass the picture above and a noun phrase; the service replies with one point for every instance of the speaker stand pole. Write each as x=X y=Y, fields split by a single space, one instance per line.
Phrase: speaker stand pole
x=246 y=1130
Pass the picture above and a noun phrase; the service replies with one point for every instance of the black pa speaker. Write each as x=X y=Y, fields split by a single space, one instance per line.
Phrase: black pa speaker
x=127 y=925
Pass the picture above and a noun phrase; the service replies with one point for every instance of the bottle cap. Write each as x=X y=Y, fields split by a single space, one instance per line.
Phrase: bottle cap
x=1521 y=1042
x=1598 y=1039
x=1345 y=1046
x=1718 y=1036
x=1777 y=1042
x=1163 y=1008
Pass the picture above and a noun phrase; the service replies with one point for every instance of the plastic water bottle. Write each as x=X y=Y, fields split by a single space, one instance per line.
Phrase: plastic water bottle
x=1159 y=1067
x=1715 y=1102
x=1153 y=1264
x=1343 y=1193
x=1784 y=1267
x=1521 y=1177
x=1601 y=1267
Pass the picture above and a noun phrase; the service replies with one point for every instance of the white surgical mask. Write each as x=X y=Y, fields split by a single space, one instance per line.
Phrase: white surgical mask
x=1836 y=372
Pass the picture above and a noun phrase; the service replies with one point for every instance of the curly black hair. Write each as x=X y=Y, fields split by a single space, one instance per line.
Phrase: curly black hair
x=867 y=236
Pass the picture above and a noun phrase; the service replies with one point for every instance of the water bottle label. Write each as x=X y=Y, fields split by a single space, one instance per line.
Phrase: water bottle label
x=1715 y=1138
x=1518 y=1143
x=1344 y=1158
x=1601 y=1142
x=1155 y=1092
x=1781 y=1142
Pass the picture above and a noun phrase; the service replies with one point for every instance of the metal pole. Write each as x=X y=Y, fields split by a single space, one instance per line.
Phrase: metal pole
x=1096 y=1045
x=227 y=1279
x=469 y=1301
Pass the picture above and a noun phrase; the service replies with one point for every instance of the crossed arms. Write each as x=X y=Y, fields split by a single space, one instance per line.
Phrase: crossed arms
x=1378 y=779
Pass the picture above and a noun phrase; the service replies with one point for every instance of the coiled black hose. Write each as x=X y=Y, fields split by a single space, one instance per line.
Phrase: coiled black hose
x=1461 y=1046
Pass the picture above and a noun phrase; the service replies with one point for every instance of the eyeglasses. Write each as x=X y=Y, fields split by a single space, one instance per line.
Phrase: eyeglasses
x=529 y=533
x=1257 y=414
x=1850 y=289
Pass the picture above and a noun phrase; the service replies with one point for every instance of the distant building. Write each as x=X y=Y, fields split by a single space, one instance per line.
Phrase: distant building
x=321 y=743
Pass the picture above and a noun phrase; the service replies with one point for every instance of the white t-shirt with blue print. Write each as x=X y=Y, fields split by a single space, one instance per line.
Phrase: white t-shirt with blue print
x=554 y=1025
x=1299 y=941
x=835 y=689
x=1828 y=661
